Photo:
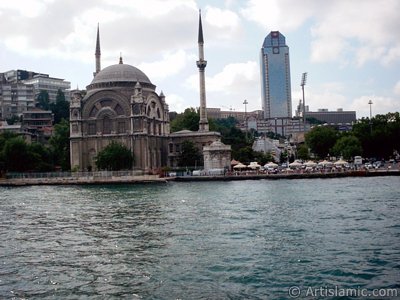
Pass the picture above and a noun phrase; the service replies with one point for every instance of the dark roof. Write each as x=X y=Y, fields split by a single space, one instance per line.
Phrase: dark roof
x=121 y=73
x=200 y=40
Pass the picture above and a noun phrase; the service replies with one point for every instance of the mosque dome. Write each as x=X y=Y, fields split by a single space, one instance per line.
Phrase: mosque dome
x=121 y=73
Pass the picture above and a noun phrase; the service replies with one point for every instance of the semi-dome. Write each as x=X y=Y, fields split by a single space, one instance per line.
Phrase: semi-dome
x=121 y=73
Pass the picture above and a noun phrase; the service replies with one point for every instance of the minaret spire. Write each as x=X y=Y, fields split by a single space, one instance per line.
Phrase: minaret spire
x=201 y=64
x=98 y=52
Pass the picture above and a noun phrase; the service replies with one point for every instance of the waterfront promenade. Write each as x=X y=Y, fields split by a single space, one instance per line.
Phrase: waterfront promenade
x=79 y=178
x=134 y=177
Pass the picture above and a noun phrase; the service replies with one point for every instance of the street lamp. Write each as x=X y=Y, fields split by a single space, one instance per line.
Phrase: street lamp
x=245 y=114
x=302 y=84
x=370 y=114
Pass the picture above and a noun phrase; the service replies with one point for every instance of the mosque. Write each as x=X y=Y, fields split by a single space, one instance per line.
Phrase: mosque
x=121 y=105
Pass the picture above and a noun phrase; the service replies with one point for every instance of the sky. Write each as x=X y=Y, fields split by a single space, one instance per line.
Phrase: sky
x=350 y=49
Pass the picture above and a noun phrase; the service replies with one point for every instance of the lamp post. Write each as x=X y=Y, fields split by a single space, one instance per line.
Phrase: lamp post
x=302 y=84
x=370 y=114
x=245 y=114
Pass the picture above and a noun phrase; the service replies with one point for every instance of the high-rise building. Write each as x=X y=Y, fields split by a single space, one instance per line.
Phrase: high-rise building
x=275 y=77
x=40 y=82
x=49 y=84
x=15 y=98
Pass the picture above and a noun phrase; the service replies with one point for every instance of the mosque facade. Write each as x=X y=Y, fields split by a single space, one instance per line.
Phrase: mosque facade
x=122 y=105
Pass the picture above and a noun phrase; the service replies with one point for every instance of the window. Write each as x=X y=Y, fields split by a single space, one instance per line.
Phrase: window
x=92 y=128
x=106 y=125
x=119 y=110
x=105 y=103
x=121 y=127
x=93 y=112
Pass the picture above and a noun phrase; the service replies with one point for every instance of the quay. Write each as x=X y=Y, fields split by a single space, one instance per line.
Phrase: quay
x=80 y=178
x=129 y=177
x=358 y=173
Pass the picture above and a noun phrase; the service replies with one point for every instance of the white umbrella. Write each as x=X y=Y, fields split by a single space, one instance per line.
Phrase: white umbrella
x=295 y=164
x=254 y=165
x=240 y=166
x=234 y=162
x=271 y=164
x=325 y=163
x=310 y=163
x=340 y=162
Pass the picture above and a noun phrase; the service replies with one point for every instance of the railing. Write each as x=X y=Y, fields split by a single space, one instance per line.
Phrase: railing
x=94 y=175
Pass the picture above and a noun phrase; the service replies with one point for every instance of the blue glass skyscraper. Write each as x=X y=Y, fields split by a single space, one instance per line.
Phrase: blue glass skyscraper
x=275 y=77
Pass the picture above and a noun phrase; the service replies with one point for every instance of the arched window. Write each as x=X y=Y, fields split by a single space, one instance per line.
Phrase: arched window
x=106 y=125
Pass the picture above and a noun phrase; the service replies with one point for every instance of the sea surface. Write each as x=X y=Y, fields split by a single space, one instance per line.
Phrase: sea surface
x=200 y=240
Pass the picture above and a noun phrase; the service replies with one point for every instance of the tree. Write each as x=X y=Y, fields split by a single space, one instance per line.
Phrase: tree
x=13 y=120
x=302 y=152
x=188 y=120
x=190 y=155
x=114 y=157
x=347 y=146
x=321 y=139
x=262 y=158
x=379 y=136
x=41 y=157
x=59 y=143
x=43 y=100
x=60 y=109
x=17 y=155
x=244 y=154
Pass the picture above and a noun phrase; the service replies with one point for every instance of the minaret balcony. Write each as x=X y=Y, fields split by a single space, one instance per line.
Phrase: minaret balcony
x=201 y=64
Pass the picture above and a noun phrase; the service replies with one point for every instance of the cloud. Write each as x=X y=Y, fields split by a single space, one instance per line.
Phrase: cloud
x=396 y=88
x=229 y=88
x=175 y=103
x=341 y=30
x=280 y=15
x=381 y=105
x=234 y=78
x=58 y=28
x=26 y=8
x=363 y=31
x=171 y=64
x=224 y=24
x=329 y=97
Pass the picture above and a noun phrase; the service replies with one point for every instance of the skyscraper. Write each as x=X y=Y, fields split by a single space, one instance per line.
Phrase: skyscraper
x=275 y=77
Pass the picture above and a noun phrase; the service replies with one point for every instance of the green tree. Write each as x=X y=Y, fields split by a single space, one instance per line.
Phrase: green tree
x=114 y=157
x=17 y=155
x=262 y=158
x=245 y=154
x=41 y=157
x=13 y=120
x=190 y=155
x=321 y=139
x=188 y=120
x=347 y=146
x=302 y=152
x=60 y=108
x=60 y=146
x=379 y=136
x=43 y=100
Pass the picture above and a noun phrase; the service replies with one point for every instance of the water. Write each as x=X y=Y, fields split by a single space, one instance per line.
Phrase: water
x=201 y=240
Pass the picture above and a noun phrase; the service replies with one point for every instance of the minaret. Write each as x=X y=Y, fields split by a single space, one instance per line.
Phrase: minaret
x=98 y=52
x=201 y=64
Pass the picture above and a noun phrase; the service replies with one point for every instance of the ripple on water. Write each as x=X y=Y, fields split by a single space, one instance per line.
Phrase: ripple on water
x=220 y=240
